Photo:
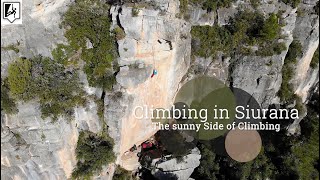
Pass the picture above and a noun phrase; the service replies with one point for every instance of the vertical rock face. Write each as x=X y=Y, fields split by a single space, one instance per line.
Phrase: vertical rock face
x=35 y=148
x=157 y=40
x=38 y=33
x=31 y=147
x=261 y=76
x=307 y=32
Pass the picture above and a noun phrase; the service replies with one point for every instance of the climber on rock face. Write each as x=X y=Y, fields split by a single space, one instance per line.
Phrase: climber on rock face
x=154 y=72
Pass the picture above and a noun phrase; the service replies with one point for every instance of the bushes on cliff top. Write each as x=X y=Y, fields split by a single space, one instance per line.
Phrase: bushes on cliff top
x=93 y=152
x=247 y=29
x=57 y=89
x=88 y=22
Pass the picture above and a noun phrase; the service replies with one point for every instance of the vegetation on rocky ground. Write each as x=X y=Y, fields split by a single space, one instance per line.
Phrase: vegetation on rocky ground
x=286 y=93
x=93 y=151
x=119 y=32
x=209 y=5
x=122 y=174
x=305 y=162
x=12 y=47
x=293 y=3
x=19 y=77
x=247 y=30
x=57 y=88
x=212 y=5
x=135 y=11
x=315 y=59
x=87 y=25
x=8 y=104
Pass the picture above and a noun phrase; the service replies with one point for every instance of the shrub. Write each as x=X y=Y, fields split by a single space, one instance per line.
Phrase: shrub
x=121 y=174
x=271 y=28
x=120 y=34
x=212 y=5
x=295 y=50
x=62 y=53
x=57 y=89
x=89 y=20
x=247 y=29
x=286 y=90
x=135 y=11
x=92 y=152
x=19 y=76
x=315 y=59
x=12 y=47
x=293 y=3
x=183 y=6
x=212 y=39
x=255 y=3
x=271 y=49
x=8 y=104
x=306 y=162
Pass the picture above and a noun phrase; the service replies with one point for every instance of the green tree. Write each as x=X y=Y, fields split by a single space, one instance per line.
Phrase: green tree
x=93 y=152
x=271 y=28
x=306 y=150
x=208 y=167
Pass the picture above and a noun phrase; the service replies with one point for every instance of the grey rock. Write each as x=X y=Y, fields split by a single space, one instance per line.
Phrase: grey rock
x=39 y=32
x=182 y=170
x=132 y=76
x=198 y=16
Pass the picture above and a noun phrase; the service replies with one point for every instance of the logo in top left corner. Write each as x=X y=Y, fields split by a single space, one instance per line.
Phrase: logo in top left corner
x=11 y=13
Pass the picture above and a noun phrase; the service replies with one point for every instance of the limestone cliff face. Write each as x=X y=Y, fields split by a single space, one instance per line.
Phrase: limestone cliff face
x=33 y=148
x=39 y=32
x=307 y=31
x=261 y=76
x=155 y=39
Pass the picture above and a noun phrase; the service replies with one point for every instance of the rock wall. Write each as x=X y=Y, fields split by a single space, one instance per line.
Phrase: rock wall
x=38 y=34
x=31 y=147
x=307 y=32
x=155 y=39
